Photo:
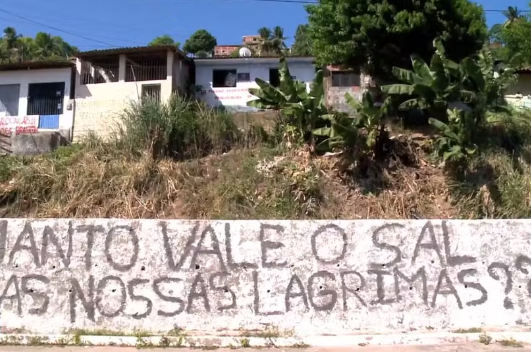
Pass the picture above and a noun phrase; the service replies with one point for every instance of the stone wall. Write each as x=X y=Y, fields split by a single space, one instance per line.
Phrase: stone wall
x=310 y=277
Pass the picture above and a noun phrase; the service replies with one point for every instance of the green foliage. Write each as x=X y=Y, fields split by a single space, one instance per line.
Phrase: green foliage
x=200 y=41
x=303 y=44
x=182 y=128
x=455 y=142
x=164 y=40
x=16 y=48
x=376 y=36
x=271 y=41
x=369 y=117
x=302 y=112
x=514 y=38
x=459 y=94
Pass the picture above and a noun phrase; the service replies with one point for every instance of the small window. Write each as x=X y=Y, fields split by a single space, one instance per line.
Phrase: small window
x=244 y=77
x=46 y=98
x=345 y=79
x=9 y=96
x=151 y=91
x=224 y=78
x=274 y=77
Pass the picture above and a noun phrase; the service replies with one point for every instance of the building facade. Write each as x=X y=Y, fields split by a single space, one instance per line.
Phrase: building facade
x=225 y=50
x=108 y=81
x=226 y=82
x=36 y=96
x=338 y=82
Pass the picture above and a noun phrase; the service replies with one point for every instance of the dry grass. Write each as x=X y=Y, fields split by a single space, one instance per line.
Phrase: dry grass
x=245 y=183
x=253 y=180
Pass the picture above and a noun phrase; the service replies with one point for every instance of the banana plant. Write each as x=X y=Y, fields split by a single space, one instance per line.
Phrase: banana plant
x=454 y=142
x=301 y=110
x=433 y=87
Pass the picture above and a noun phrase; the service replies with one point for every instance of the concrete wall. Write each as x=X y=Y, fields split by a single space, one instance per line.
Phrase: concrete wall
x=312 y=277
x=236 y=98
x=99 y=106
x=25 y=78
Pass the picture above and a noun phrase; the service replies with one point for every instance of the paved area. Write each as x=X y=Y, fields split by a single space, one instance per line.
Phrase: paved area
x=469 y=347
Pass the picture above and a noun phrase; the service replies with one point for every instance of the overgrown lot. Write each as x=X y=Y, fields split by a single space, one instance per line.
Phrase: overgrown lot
x=183 y=160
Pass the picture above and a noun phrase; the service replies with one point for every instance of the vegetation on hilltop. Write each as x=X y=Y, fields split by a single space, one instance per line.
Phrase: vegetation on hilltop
x=15 y=47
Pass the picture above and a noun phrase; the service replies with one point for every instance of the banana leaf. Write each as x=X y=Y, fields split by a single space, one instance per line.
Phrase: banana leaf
x=398 y=89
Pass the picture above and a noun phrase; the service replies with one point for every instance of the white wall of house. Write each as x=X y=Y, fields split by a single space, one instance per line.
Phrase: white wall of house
x=24 y=78
x=99 y=106
x=302 y=69
x=519 y=94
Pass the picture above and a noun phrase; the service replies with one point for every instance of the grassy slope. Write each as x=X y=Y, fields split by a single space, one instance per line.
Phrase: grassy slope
x=251 y=179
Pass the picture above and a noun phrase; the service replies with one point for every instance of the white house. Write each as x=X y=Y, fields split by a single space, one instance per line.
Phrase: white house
x=35 y=96
x=108 y=80
x=226 y=81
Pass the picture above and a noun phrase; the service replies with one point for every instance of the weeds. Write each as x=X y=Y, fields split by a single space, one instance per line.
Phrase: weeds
x=245 y=342
x=510 y=343
x=468 y=331
x=181 y=129
x=485 y=339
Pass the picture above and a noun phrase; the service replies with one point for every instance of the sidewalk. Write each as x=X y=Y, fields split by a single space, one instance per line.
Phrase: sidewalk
x=468 y=347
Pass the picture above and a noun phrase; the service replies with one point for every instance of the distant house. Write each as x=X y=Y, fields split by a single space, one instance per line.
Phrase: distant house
x=226 y=81
x=108 y=80
x=35 y=97
x=339 y=81
x=225 y=50
x=519 y=94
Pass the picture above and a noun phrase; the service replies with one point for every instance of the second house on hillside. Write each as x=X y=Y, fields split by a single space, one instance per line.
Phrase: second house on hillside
x=226 y=81
x=107 y=81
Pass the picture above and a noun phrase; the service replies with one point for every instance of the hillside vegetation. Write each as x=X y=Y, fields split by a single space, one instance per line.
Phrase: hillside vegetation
x=184 y=160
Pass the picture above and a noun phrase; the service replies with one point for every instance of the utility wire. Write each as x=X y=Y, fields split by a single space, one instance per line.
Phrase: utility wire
x=58 y=29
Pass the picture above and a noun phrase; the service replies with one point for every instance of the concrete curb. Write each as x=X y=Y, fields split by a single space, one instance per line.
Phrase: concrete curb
x=245 y=342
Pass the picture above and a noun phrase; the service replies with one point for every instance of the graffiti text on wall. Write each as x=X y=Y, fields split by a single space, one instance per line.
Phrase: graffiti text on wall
x=186 y=285
x=18 y=124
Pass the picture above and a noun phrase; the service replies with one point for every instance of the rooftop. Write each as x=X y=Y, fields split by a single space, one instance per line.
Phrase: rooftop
x=35 y=65
x=131 y=50
x=255 y=58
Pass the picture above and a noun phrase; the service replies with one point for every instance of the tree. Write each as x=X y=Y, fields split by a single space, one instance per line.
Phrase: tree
x=15 y=47
x=302 y=45
x=272 y=42
x=512 y=14
x=265 y=45
x=200 y=41
x=375 y=35
x=515 y=39
x=164 y=40
x=278 y=39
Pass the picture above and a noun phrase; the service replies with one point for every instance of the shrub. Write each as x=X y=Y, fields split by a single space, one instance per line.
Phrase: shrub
x=182 y=128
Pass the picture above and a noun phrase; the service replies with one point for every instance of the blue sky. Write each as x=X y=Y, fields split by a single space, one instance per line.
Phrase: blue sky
x=135 y=22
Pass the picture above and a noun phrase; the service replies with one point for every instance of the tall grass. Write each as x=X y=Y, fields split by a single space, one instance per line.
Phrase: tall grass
x=182 y=128
x=497 y=182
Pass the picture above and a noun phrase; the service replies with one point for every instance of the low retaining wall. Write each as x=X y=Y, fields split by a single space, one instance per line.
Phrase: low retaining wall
x=309 y=277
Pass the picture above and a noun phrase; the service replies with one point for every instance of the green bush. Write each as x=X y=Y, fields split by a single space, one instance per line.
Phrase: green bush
x=182 y=128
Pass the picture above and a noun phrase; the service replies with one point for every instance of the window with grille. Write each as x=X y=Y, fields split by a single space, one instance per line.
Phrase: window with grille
x=345 y=79
x=151 y=91
x=46 y=98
